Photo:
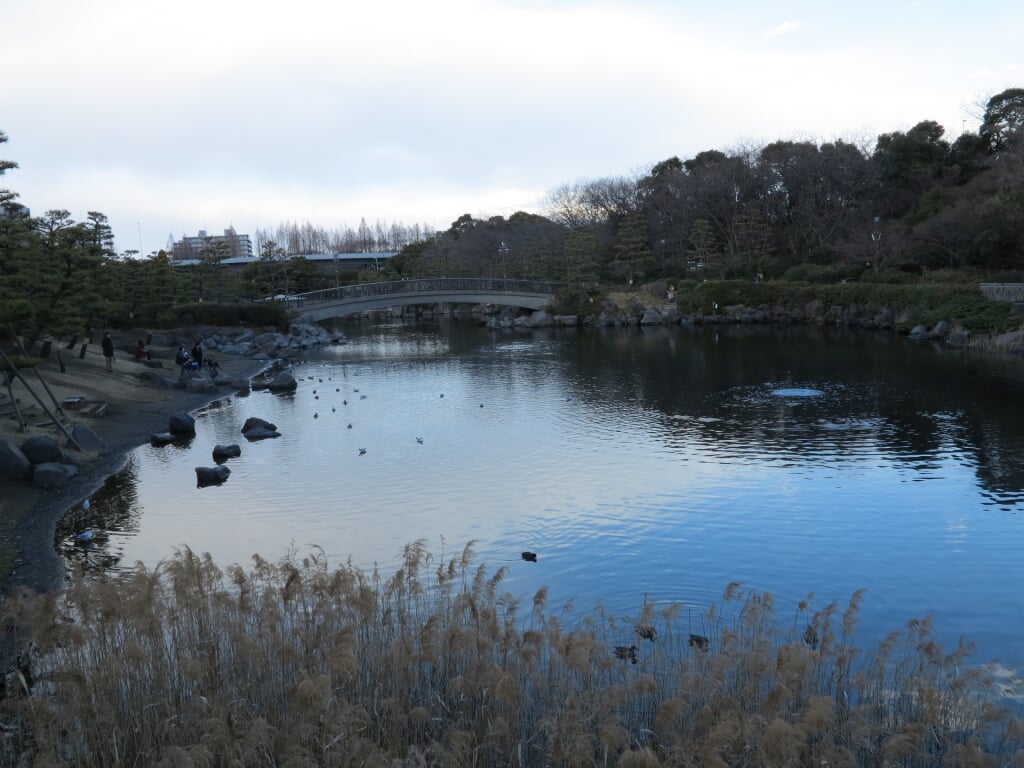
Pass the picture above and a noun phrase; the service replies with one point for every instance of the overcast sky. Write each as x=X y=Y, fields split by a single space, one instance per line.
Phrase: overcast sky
x=183 y=115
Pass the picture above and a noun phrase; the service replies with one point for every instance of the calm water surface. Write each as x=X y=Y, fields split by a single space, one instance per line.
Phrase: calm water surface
x=638 y=464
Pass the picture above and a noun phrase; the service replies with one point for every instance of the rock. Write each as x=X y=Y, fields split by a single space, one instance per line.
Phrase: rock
x=254 y=422
x=651 y=317
x=537 y=319
x=181 y=424
x=161 y=340
x=940 y=330
x=222 y=453
x=153 y=363
x=1012 y=340
x=41 y=449
x=14 y=465
x=87 y=438
x=918 y=332
x=53 y=475
x=200 y=385
x=161 y=438
x=211 y=475
x=283 y=382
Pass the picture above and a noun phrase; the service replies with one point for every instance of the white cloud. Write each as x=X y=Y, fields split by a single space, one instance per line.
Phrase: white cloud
x=783 y=29
x=257 y=112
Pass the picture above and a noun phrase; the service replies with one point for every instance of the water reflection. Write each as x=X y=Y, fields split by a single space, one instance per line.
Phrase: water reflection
x=638 y=464
x=89 y=535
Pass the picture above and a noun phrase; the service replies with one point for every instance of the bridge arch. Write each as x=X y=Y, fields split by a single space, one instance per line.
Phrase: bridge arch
x=365 y=297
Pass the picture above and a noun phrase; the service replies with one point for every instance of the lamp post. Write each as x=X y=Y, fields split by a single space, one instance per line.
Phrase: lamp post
x=503 y=250
x=876 y=238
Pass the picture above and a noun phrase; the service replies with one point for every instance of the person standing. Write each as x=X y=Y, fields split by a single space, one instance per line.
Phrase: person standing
x=197 y=354
x=108 y=350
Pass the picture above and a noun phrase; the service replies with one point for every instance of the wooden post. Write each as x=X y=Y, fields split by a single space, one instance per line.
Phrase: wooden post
x=8 y=378
x=15 y=372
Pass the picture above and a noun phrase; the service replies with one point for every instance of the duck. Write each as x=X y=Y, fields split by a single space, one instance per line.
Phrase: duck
x=626 y=653
x=530 y=557
x=362 y=451
x=419 y=440
x=699 y=642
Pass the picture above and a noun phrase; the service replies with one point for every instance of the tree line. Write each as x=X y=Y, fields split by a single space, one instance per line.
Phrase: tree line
x=294 y=239
x=797 y=210
x=915 y=202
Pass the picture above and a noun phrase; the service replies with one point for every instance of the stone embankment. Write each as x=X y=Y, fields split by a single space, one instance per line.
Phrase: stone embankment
x=608 y=314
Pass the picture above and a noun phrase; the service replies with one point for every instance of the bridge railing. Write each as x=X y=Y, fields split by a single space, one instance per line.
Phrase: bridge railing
x=427 y=286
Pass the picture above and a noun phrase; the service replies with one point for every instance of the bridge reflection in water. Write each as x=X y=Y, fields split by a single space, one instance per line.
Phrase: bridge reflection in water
x=352 y=299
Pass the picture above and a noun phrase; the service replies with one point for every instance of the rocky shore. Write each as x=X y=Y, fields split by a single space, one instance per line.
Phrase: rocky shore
x=609 y=314
x=107 y=414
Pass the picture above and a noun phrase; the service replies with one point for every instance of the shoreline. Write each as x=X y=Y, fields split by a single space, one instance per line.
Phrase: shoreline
x=135 y=410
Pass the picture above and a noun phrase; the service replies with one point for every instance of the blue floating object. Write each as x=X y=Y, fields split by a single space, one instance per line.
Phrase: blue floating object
x=85 y=535
x=797 y=392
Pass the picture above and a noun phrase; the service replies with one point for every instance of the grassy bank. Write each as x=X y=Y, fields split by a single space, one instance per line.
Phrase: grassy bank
x=917 y=304
x=297 y=663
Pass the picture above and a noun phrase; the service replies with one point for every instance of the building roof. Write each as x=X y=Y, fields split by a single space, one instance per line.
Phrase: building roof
x=307 y=256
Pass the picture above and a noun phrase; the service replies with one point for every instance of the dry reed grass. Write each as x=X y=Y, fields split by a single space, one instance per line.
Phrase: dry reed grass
x=296 y=664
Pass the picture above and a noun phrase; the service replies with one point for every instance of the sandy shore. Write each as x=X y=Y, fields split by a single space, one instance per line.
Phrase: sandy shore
x=135 y=409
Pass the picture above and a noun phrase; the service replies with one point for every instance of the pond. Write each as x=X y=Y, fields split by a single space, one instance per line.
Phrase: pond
x=639 y=465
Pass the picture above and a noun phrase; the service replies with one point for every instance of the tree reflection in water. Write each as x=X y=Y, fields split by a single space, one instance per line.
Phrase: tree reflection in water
x=87 y=536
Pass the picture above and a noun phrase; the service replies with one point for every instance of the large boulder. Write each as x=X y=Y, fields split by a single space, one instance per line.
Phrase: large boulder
x=211 y=475
x=14 y=465
x=283 y=382
x=222 y=453
x=41 y=449
x=158 y=439
x=53 y=474
x=254 y=421
x=258 y=429
x=181 y=424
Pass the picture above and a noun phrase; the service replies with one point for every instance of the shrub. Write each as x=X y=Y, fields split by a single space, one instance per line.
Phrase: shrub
x=270 y=313
x=822 y=273
x=887 y=277
x=578 y=300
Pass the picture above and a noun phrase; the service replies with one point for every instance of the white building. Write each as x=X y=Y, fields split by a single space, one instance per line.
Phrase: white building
x=231 y=244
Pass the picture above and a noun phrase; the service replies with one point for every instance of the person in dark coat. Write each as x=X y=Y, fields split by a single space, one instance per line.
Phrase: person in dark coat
x=181 y=358
x=108 y=350
x=197 y=354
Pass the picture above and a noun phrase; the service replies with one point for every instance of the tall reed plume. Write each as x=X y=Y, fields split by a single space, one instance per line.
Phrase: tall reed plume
x=295 y=663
